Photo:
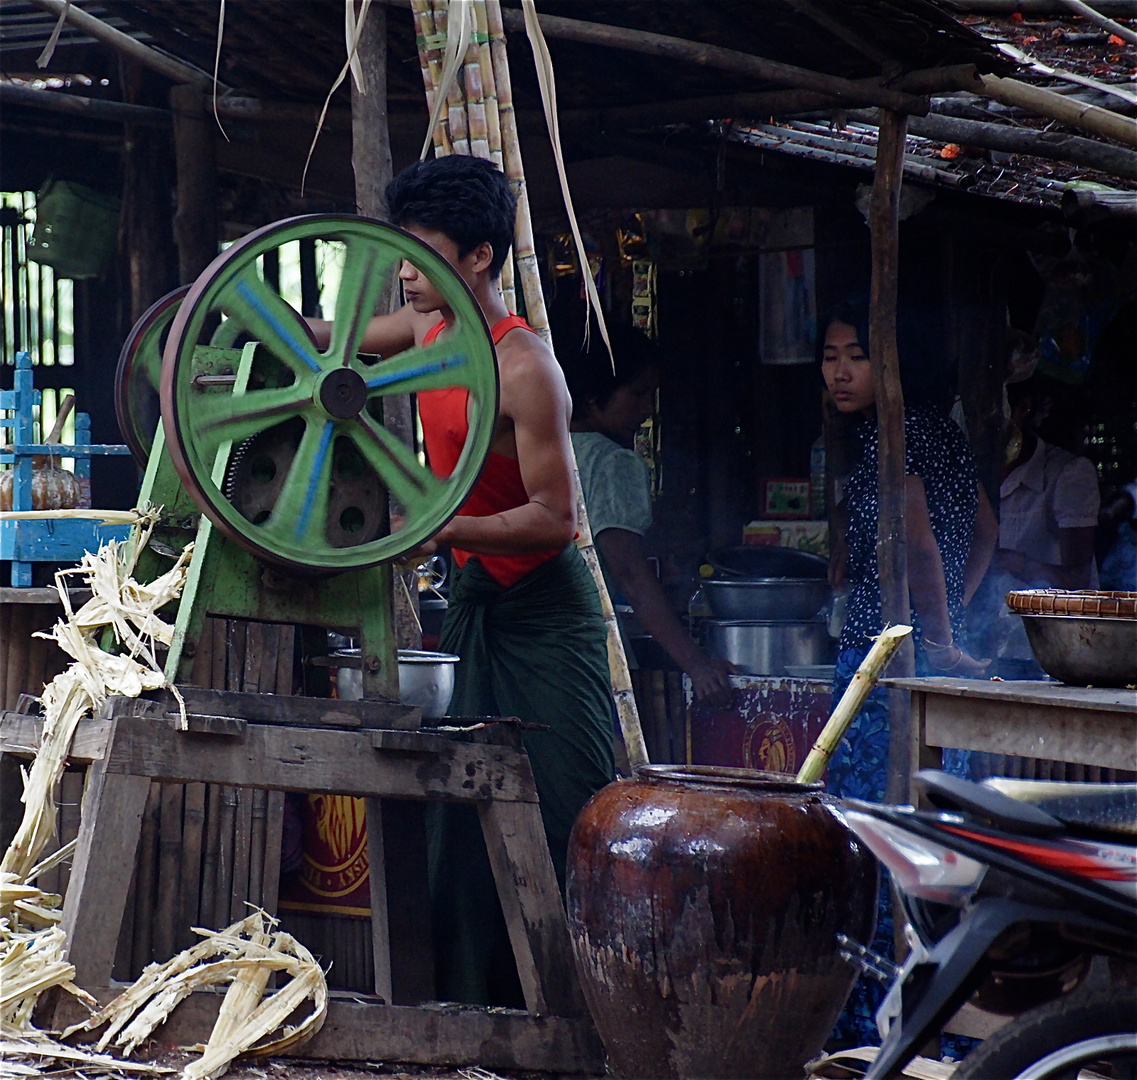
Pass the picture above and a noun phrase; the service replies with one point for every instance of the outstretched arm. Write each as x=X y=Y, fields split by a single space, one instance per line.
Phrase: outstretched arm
x=385 y=335
x=625 y=560
x=928 y=588
x=984 y=539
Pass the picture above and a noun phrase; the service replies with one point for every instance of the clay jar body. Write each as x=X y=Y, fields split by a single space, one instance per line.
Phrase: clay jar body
x=704 y=906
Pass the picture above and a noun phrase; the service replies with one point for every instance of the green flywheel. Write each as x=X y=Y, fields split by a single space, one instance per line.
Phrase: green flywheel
x=291 y=459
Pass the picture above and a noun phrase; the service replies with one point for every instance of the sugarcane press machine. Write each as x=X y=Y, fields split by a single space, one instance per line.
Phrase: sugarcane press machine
x=273 y=457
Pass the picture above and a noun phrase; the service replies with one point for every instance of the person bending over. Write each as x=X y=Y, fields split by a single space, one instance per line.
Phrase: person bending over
x=609 y=406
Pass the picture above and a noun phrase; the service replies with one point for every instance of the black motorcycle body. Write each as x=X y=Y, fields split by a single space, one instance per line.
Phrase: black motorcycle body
x=1009 y=889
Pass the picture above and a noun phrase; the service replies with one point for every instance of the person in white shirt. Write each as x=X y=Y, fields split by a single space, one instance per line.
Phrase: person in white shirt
x=1048 y=512
x=1048 y=506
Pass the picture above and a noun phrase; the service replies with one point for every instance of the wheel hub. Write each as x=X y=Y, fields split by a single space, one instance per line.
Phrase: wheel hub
x=342 y=393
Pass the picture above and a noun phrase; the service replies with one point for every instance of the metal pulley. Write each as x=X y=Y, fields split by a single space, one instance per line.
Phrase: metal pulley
x=281 y=444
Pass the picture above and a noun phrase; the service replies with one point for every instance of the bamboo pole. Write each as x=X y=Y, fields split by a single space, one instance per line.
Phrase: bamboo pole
x=431 y=65
x=852 y=699
x=455 y=112
x=1035 y=99
x=619 y=673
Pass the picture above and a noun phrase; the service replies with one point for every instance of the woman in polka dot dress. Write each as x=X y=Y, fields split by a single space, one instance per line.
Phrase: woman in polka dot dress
x=944 y=501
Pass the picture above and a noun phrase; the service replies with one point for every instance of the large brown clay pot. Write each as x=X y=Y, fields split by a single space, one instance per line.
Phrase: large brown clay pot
x=704 y=906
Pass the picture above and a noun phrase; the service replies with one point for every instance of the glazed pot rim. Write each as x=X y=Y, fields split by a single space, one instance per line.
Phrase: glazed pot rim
x=727 y=776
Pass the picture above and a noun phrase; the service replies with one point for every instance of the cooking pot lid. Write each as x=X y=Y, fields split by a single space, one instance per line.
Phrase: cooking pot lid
x=760 y=561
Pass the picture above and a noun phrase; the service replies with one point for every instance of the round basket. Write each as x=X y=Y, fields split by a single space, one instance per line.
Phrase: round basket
x=1086 y=603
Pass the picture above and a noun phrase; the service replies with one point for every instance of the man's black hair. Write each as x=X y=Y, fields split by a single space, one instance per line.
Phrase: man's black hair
x=588 y=371
x=467 y=198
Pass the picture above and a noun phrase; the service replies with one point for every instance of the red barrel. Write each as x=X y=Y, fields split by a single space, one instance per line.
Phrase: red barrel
x=704 y=905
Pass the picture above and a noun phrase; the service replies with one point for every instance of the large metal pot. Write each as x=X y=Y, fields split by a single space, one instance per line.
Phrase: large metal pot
x=425 y=678
x=778 y=599
x=759 y=561
x=769 y=648
x=1084 y=651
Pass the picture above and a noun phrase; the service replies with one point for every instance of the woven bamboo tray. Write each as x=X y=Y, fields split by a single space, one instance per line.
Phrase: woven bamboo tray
x=1086 y=603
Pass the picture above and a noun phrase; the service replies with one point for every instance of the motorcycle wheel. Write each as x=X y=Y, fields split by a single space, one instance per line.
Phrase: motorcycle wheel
x=1055 y=1041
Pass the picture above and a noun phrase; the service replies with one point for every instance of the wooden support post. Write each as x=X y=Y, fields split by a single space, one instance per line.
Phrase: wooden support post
x=892 y=556
x=195 y=220
x=371 y=161
x=145 y=201
x=103 y=864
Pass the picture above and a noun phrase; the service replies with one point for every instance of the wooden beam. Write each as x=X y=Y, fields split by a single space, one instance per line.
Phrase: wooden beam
x=1035 y=8
x=1053 y=145
x=371 y=161
x=891 y=547
x=124 y=43
x=85 y=107
x=1107 y=24
x=1109 y=125
x=147 y=237
x=718 y=58
x=251 y=110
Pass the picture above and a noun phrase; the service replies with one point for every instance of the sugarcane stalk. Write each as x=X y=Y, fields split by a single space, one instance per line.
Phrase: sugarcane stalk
x=431 y=68
x=871 y=667
x=524 y=252
x=455 y=111
x=493 y=128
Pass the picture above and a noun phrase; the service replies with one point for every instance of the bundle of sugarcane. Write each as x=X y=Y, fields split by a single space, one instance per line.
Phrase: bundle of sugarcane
x=243 y=955
x=480 y=92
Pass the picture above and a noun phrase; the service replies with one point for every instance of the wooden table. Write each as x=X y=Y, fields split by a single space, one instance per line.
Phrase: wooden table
x=1080 y=724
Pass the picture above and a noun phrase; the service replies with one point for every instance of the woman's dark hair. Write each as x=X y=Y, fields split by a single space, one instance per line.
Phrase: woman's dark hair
x=589 y=369
x=924 y=374
x=467 y=198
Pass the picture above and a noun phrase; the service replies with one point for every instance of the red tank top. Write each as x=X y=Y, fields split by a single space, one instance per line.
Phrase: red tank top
x=500 y=487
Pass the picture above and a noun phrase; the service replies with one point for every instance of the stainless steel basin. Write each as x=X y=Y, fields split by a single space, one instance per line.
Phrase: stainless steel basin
x=426 y=678
x=769 y=648
x=1085 y=651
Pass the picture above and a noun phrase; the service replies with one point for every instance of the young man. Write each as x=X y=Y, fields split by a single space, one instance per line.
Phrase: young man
x=524 y=614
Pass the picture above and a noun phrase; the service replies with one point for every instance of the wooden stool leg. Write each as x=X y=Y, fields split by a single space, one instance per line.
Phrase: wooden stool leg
x=531 y=902
x=100 y=878
x=400 y=901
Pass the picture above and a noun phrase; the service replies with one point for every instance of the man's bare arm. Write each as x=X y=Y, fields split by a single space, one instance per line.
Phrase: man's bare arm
x=385 y=335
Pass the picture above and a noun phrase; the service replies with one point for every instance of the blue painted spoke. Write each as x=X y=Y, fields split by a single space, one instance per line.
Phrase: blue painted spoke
x=271 y=321
x=300 y=513
x=435 y=367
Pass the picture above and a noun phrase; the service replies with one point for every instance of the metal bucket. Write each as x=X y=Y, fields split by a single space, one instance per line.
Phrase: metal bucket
x=426 y=678
x=769 y=648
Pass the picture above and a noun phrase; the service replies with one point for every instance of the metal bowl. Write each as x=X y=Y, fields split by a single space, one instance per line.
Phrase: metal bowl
x=426 y=678
x=1084 y=651
x=767 y=599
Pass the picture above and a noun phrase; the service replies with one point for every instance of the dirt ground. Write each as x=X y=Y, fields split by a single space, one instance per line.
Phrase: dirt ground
x=304 y=1069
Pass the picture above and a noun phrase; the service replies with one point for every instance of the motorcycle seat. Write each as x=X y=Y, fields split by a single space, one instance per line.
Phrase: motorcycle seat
x=1083 y=807
x=949 y=792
